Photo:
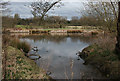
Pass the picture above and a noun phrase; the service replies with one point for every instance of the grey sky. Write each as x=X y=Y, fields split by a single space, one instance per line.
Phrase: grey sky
x=49 y=0
x=62 y=0
x=68 y=10
x=71 y=8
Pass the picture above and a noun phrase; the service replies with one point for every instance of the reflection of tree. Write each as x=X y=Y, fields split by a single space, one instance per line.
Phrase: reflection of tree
x=46 y=38
x=61 y=38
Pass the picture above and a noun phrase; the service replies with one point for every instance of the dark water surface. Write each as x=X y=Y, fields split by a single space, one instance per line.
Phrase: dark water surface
x=59 y=57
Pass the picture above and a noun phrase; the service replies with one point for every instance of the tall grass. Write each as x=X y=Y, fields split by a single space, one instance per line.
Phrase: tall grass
x=106 y=42
x=21 y=45
x=102 y=56
x=15 y=42
x=74 y=31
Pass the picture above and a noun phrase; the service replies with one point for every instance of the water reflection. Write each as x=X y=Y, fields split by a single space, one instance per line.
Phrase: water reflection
x=57 y=38
x=58 y=54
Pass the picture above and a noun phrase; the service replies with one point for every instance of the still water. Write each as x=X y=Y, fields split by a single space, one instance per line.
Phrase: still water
x=59 y=57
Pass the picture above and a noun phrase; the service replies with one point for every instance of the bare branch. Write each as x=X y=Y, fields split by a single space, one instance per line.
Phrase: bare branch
x=42 y=7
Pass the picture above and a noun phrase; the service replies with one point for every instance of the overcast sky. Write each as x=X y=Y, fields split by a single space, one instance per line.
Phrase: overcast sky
x=62 y=0
x=36 y=0
x=70 y=8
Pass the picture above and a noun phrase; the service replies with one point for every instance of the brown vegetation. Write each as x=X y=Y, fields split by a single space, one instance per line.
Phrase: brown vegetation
x=15 y=42
x=102 y=56
x=19 y=66
x=74 y=31
x=15 y=64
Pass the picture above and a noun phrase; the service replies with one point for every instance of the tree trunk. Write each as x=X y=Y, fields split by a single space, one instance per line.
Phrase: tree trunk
x=118 y=31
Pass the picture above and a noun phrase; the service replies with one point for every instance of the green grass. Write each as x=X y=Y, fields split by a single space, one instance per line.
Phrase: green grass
x=42 y=27
x=22 y=26
x=19 y=66
x=64 y=28
x=27 y=26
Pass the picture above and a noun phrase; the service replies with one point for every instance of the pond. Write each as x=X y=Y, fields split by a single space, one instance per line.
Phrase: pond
x=58 y=55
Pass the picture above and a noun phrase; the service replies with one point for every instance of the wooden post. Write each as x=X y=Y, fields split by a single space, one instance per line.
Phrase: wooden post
x=118 y=31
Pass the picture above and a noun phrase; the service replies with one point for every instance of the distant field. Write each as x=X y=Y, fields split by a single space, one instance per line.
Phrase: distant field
x=27 y=26
x=66 y=28
x=83 y=27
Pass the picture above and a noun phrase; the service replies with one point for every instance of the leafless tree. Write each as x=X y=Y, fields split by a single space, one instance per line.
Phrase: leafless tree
x=104 y=11
x=40 y=8
x=118 y=32
x=108 y=12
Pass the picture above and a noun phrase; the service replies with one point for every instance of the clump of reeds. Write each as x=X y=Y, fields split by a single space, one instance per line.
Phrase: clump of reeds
x=40 y=31
x=107 y=42
x=94 y=33
x=5 y=40
x=21 y=45
x=74 y=31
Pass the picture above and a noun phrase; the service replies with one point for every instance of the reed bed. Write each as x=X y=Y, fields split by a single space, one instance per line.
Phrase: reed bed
x=74 y=31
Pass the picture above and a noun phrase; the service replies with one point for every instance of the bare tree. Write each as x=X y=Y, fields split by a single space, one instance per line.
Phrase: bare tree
x=40 y=8
x=108 y=11
x=118 y=32
x=103 y=11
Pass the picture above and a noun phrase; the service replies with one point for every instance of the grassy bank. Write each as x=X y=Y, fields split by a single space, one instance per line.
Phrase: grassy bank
x=15 y=64
x=18 y=66
x=102 y=56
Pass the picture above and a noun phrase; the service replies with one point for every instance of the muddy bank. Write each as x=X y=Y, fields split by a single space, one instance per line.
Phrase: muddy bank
x=105 y=60
x=18 y=66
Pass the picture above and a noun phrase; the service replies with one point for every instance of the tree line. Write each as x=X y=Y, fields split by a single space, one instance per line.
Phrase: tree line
x=99 y=13
x=50 y=21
